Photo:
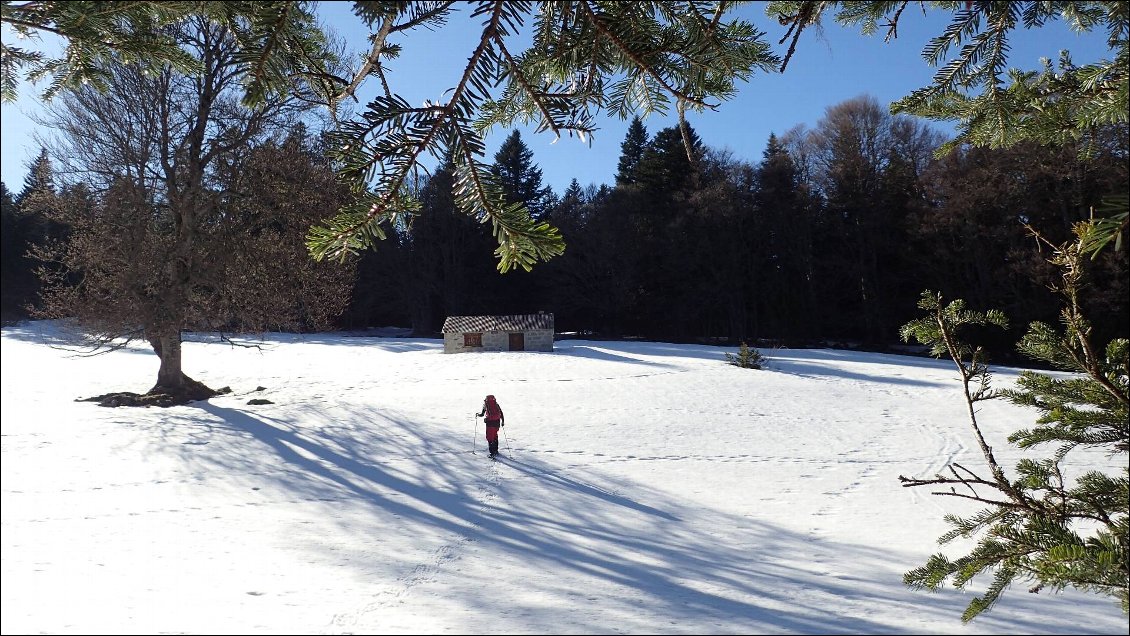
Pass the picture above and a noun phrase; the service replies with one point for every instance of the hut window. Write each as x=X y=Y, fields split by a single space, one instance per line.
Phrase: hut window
x=472 y=340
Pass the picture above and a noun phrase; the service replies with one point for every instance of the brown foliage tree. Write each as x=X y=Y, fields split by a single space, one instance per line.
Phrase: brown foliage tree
x=190 y=220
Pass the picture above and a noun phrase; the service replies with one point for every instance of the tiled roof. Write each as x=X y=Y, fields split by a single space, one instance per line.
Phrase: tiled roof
x=479 y=324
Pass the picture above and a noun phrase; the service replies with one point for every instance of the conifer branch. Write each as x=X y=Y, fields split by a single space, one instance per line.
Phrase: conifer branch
x=893 y=22
x=946 y=334
x=438 y=10
x=523 y=82
x=641 y=64
x=719 y=11
x=807 y=13
x=371 y=61
x=392 y=188
x=259 y=73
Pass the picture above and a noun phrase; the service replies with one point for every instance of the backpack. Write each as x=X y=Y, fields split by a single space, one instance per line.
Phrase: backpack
x=493 y=411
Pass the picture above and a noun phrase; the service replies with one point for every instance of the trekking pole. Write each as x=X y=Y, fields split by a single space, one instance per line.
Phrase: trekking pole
x=509 y=453
x=475 y=439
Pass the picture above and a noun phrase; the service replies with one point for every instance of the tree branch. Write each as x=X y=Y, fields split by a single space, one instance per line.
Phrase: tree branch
x=643 y=66
x=370 y=61
x=524 y=83
x=489 y=32
x=423 y=17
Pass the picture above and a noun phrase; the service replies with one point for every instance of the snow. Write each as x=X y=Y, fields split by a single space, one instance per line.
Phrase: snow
x=653 y=488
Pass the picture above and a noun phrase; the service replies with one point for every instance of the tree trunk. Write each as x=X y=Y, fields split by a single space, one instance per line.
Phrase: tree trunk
x=171 y=380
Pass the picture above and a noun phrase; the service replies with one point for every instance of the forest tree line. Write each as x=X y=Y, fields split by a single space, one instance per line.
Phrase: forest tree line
x=829 y=237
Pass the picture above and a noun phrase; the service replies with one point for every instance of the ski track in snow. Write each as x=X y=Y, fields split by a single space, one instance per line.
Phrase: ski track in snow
x=431 y=570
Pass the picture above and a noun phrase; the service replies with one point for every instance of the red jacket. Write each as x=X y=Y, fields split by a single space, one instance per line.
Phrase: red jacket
x=492 y=411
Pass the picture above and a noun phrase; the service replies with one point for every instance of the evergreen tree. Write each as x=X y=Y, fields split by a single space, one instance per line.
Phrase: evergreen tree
x=40 y=177
x=605 y=287
x=674 y=243
x=436 y=249
x=664 y=167
x=1040 y=527
x=591 y=283
x=32 y=223
x=570 y=210
x=785 y=241
x=573 y=198
x=448 y=267
x=631 y=152
x=12 y=247
x=520 y=178
x=746 y=358
x=521 y=181
x=723 y=247
x=8 y=212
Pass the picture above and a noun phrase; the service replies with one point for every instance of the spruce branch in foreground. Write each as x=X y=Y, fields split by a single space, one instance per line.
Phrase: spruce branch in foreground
x=1041 y=528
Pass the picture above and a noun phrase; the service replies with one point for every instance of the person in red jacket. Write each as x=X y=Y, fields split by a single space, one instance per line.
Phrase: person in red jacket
x=494 y=419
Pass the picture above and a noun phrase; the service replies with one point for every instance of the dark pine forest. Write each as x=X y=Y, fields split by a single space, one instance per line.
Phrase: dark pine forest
x=827 y=239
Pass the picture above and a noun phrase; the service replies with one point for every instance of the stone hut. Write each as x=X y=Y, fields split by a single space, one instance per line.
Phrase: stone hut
x=525 y=332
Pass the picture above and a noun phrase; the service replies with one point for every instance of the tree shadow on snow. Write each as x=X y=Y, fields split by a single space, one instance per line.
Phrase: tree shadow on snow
x=592 y=353
x=820 y=369
x=670 y=560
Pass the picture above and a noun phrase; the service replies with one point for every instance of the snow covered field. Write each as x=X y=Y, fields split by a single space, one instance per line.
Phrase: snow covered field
x=652 y=489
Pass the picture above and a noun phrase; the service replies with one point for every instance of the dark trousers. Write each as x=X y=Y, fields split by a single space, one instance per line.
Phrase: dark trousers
x=492 y=437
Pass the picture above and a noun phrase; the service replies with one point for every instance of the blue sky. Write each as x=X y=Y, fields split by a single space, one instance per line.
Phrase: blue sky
x=829 y=67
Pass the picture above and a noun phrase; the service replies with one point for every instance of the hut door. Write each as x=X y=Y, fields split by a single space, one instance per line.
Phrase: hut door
x=517 y=342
